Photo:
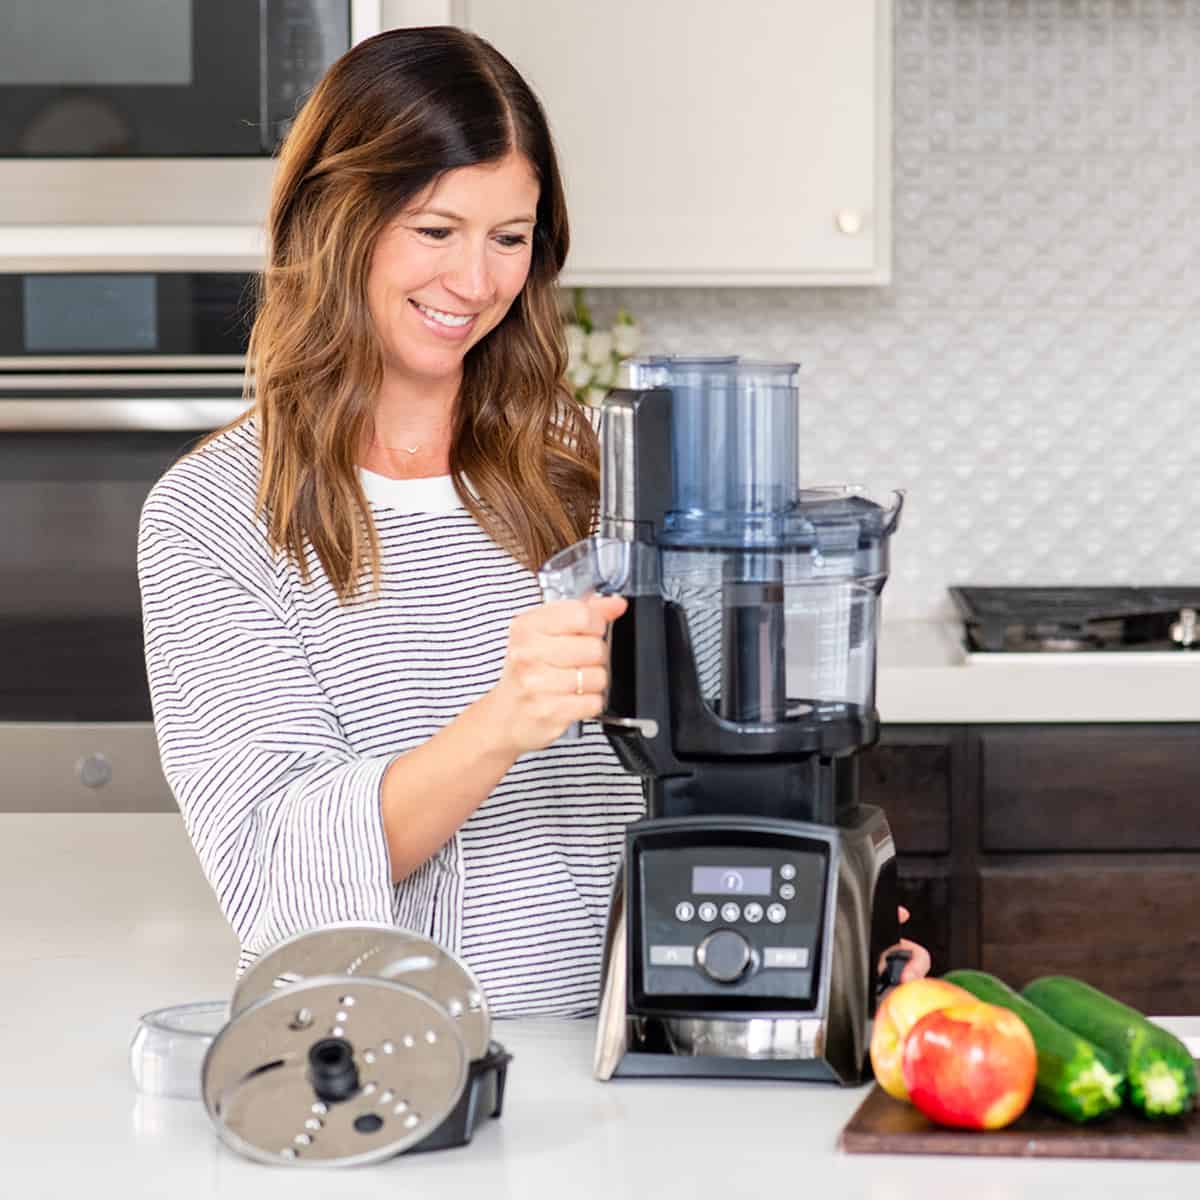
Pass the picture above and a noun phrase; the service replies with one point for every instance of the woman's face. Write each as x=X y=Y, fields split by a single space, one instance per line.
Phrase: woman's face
x=446 y=270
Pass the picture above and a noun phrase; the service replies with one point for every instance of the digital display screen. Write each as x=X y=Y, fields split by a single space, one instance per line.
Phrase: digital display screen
x=117 y=43
x=89 y=313
x=731 y=881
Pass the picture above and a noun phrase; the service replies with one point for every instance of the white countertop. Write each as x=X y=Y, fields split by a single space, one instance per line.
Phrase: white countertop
x=104 y=917
x=925 y=676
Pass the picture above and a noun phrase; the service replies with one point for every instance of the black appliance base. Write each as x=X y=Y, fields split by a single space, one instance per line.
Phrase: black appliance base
x=483 y=1097
x=638 y=1064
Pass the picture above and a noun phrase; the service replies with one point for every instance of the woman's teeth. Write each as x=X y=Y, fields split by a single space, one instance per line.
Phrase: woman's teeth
x=443 y=318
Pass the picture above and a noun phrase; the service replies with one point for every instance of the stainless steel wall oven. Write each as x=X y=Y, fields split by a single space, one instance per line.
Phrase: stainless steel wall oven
x=105 y=379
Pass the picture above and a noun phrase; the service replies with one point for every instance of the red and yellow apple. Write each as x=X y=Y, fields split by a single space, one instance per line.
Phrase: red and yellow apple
x=972 y=1066
x=899 y=1010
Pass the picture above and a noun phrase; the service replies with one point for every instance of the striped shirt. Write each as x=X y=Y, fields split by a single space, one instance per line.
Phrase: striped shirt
x=278 y=709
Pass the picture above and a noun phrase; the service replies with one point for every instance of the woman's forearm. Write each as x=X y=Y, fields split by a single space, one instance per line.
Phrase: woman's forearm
x=555 y=672
x=428 y=792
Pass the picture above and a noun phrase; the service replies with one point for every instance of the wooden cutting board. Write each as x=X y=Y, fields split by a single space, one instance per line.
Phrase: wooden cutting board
x=885 y=1126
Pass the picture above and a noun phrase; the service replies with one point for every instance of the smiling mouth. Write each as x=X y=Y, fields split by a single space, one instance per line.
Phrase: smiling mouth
x=449 y=320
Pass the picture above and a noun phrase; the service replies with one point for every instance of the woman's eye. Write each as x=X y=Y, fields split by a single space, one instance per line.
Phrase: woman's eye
x=434 y=233
x=510 y=241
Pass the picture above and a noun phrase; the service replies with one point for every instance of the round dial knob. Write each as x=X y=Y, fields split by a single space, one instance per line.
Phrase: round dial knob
x=724 y=956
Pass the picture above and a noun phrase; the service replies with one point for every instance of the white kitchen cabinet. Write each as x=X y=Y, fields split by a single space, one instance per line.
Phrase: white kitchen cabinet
x=705 y=142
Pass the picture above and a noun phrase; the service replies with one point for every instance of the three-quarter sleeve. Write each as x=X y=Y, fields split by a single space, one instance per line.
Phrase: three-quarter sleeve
x=284 y=816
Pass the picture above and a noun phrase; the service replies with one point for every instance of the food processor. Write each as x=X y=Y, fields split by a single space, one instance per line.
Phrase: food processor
x=758 y=895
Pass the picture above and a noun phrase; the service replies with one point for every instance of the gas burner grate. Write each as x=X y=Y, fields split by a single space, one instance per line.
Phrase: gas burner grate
x=1072 y=618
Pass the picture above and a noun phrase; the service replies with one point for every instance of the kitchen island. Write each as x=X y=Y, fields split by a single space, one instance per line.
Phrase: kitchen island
x=104 y=917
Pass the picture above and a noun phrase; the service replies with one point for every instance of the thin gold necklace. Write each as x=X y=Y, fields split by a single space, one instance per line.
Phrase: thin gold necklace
x=406 y=449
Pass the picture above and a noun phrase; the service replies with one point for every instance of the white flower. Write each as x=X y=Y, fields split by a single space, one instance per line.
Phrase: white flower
x=576 y=344
x=580 y=375
x=626 y=339
x=606 y=373
x=599 y=346
x=595 y=396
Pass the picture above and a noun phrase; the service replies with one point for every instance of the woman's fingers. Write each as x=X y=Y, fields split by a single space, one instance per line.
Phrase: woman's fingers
x=590 y=616
x=569 y=651
x=579 y=681
x=608 y=608
x=565 y=633
x=555 y=671
x=918 y=966
x=920 y=963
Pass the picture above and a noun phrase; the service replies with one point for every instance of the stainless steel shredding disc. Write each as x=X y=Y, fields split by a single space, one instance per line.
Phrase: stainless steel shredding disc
x=384 y=952
x=404 y=1066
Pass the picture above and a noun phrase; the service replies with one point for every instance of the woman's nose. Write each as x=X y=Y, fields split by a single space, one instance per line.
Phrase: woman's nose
x=468 y=276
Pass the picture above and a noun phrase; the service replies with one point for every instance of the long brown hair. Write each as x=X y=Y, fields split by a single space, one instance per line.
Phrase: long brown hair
x=388 y=118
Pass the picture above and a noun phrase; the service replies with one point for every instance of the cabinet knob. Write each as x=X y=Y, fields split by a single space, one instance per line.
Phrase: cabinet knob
x=849 y=221
x=94 y=771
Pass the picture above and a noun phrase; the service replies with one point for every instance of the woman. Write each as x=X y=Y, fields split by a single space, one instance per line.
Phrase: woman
x=356 y=688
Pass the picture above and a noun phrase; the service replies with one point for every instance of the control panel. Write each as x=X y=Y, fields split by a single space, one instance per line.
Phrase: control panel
x=731 y=922
x=303 y=37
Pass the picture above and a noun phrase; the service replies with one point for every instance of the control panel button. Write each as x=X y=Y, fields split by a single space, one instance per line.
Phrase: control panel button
x=776 y=913
x=684 y=911
x=671 y=956
x=708 y=911
x=787 y=891
x=785 y=956
x=787 y=871
x=753 y=912
x=731 y=911
x=724 y=956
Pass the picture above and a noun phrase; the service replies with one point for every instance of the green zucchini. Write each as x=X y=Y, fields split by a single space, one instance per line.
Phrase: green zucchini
x=1074 y=1078
x=1158 y=1066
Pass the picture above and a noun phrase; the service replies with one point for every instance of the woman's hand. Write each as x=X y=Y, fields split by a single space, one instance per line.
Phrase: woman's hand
x=555 y=671
x=918 y=965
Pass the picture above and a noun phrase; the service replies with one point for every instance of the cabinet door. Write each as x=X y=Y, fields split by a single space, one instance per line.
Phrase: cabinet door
x=1127 y=927
x=1091 y=787
x=925 y=892
x=703 y=142
x=908 y=774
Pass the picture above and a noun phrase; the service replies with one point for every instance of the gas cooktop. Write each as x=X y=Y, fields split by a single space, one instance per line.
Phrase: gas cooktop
x=1057 y=619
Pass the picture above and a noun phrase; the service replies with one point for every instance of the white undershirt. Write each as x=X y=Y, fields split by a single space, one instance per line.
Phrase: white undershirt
x=433 y=494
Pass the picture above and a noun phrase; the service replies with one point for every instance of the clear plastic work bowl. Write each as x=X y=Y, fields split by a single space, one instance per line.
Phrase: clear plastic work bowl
x=169 y=1045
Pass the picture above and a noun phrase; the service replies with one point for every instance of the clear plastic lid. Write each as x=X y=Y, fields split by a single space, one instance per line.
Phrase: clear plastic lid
x=839 y=534
x=169 y=1045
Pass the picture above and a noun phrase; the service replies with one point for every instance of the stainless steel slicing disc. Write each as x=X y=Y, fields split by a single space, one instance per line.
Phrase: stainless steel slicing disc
x=408 y=1055
x=381 y=951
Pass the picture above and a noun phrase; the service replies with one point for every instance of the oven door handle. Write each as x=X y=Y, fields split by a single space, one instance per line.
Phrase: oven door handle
x=169 y=414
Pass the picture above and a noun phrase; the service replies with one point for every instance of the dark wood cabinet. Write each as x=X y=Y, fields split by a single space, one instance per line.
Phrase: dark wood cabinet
x=1123 y=926
x=1039 y=849
x=912 y=774
x=925 y=892
x=1096 y=787
x=909 y=775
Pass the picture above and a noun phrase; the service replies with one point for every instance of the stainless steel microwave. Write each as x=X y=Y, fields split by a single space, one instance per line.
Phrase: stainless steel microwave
x=163 y=112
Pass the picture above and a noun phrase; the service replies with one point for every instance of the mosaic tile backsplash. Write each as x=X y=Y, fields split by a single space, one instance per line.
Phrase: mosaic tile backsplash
x=1030 y=375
